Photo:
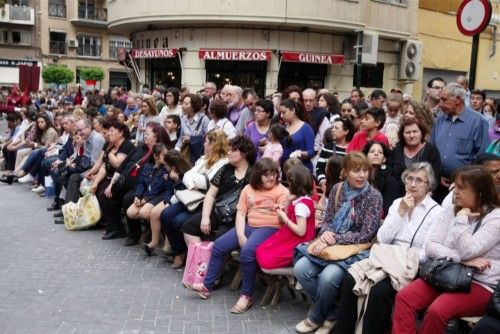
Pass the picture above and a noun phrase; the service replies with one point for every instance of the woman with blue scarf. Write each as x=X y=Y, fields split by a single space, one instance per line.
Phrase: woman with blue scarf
x=352 y=217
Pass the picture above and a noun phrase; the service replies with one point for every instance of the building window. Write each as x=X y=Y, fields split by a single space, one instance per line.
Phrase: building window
x=57 y=43
x=371 y=76
x=21 y=37
x=89 y=45
x=4 y=36
x=89 y=10
x=19 y=2
x=115 y=45
x=57 y=8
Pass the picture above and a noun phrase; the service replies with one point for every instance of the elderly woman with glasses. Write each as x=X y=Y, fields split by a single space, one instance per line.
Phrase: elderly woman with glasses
x=256 y=220
x=407 y=224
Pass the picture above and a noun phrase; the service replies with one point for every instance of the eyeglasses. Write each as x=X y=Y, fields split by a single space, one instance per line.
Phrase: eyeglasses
x=437 y=87
x=346 y=110
x=418 y=181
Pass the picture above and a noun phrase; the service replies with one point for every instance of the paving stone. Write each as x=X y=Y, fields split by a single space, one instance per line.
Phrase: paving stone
x=57 y=281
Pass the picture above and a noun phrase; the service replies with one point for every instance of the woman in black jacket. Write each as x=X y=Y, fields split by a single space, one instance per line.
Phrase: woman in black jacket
x=379 y=155
x=412 y=147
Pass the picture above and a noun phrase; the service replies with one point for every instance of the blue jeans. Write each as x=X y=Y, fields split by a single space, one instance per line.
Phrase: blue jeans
x=45 y=167
x=322 y=285
x=172 y=218
x=228 y=242
x=34 y=161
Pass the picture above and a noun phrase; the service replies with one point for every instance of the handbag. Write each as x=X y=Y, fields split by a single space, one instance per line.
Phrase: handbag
x=225 y=208
x=190 y=198
x=120 y=182
x=494 y=304
x=338 y=252
x=446 y=275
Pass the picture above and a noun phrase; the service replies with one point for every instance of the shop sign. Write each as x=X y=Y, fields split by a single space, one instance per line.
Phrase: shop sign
x=313 y=58
x=153 y=53
x=234 y=54
x=16 y=63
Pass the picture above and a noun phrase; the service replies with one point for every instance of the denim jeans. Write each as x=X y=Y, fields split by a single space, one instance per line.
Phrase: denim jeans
x=172 y=218
x=322 y=285
x=229 y=242
x=33 y=162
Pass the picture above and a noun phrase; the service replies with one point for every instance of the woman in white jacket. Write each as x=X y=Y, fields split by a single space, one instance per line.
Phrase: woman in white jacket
x=407 y=223
x=205 y=168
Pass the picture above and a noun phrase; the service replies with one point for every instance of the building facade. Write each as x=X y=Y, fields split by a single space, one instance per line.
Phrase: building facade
x=438 y=28
x=19 y=41
x=269 y=45
x=74 y=33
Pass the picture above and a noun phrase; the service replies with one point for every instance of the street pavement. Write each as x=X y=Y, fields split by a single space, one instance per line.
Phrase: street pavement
x=57 y=281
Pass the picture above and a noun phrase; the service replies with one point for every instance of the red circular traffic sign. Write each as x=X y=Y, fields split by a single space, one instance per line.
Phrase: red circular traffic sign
x=473 y=16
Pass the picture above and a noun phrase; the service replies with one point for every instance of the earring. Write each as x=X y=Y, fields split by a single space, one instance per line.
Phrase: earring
x=383 y=167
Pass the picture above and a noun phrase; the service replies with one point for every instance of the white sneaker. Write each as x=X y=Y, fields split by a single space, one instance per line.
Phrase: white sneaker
x=326 y=328
x=38 y=190
x=26 y=179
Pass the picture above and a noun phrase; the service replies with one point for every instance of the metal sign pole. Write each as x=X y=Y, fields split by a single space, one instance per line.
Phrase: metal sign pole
x=473 y=62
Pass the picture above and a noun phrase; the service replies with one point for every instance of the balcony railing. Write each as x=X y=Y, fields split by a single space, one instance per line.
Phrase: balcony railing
x=20 y=13
x=92 y=13
x=57 y=47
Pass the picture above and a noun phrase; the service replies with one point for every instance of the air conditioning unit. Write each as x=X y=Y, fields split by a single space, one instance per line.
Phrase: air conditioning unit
x=411 y=60
x=370 y=48
x=73 y=43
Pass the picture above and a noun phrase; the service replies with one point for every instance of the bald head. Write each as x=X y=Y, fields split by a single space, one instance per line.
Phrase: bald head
x=309 y=97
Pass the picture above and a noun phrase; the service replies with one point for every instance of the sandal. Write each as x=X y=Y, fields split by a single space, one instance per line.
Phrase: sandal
x=200 y=289
x=238 y=309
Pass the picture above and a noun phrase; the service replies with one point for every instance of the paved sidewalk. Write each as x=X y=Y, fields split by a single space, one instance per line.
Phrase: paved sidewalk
x=55 y=281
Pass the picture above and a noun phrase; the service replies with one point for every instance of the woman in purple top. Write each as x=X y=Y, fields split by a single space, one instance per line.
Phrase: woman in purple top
x=258 y=129
x=300 y=142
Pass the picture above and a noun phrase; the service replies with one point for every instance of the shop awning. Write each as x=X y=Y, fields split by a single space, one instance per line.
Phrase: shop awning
x=312 y=58
x=153 y=53
x=234 y=54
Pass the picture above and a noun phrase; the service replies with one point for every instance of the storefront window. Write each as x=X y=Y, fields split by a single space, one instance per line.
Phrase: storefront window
x=246 y=74
x=302 y=75
x=164 y=71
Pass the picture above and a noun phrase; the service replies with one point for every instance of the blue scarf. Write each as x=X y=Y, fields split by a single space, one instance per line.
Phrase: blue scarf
x=341 y=222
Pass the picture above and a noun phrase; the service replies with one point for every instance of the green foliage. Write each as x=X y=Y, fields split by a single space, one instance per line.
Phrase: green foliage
x=57 y=74
x=92 y=73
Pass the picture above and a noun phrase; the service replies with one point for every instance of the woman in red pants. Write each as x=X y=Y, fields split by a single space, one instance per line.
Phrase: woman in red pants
x=476 y=209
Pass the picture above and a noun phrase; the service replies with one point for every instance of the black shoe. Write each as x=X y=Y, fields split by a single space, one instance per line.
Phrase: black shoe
x=147 y=249
x=59 y=221
x=131 y=241
x=7 y=179
x=55 y=206
x=113 y=235
x=58 y=214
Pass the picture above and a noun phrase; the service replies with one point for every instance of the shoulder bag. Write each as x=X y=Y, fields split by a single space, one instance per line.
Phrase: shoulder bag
x=446 y=275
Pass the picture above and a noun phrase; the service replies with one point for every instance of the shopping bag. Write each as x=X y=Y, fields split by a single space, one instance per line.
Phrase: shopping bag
x=198 y=257
x=83 y=214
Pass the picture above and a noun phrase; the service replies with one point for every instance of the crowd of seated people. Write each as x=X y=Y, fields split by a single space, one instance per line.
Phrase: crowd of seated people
x=386 y=171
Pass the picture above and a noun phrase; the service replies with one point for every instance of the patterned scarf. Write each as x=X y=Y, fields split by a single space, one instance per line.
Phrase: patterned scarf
x=342 y=220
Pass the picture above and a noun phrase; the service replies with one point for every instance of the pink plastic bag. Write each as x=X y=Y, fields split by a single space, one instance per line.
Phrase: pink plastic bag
x=198 y=257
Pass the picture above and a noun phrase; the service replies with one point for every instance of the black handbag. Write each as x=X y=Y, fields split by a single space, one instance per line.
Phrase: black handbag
x=225 y=208
x=446 y=275
x=494 y=304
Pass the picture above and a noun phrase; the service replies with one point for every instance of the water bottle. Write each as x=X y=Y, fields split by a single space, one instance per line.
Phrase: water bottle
x=49 y=188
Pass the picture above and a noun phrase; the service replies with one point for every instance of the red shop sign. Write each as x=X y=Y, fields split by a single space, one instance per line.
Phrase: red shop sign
x=153 y=53
x=313 y=58
x=234 y=54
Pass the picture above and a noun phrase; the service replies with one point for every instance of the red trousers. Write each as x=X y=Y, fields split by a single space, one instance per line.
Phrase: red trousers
x=441 y=307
